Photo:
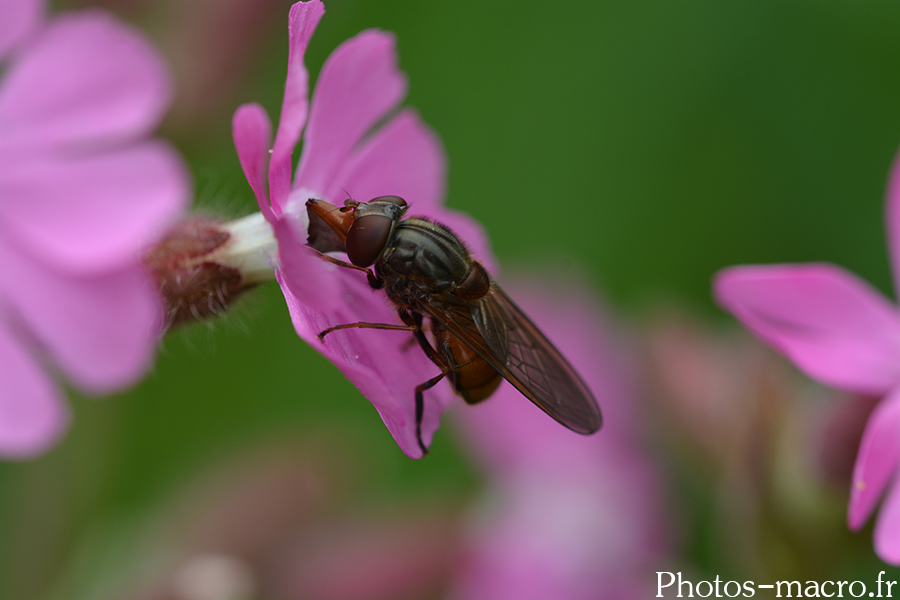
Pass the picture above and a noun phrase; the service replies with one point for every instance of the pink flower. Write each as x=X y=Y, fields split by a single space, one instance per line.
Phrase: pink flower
x=567 y=516
x=842 y=332
x=348 y=149
x=82 y=193
x=287 y=521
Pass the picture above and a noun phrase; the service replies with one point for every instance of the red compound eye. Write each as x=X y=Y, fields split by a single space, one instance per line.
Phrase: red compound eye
x=367 y=239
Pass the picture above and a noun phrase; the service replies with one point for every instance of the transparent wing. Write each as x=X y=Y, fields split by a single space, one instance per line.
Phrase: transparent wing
x=498 y=330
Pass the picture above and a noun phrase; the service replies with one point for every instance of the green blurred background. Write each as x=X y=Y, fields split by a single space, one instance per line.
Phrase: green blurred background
x=646 y=144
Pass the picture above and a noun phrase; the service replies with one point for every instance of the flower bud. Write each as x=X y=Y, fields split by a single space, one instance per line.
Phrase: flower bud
x=203 y=264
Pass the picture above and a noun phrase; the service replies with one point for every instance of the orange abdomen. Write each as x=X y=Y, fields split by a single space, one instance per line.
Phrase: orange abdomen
x=472 y=376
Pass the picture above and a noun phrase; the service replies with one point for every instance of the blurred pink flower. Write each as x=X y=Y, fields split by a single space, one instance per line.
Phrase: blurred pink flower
x=353 y=143
x=82 y=193
x=289 y=521
x=753 y=431
x=567 y=516
x=842 y=332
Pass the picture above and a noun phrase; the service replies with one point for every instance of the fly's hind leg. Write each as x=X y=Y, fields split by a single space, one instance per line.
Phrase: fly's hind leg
x=414 y=319
x=408 y=344
x=420 y=405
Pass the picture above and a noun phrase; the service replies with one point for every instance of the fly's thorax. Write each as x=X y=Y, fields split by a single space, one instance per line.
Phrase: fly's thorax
x=427 y=253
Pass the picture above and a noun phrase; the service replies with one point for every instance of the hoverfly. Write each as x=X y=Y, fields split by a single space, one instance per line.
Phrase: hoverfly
x=479 y=335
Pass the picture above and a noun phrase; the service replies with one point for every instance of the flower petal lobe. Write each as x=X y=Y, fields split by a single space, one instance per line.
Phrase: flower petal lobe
x=876 y=461
x=833 y=325
x=88 y=81
x=32 y=415
x=302 y=22
x=359 y=84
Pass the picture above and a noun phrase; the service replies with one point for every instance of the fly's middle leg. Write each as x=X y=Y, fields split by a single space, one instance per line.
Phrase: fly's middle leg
x=412 y=322
x=362 y=325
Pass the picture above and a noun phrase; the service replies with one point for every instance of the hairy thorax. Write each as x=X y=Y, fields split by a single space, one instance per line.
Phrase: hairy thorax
x=425 y=259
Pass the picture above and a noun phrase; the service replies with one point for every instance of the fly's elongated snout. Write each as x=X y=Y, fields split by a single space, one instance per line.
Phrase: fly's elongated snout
x=328 y=226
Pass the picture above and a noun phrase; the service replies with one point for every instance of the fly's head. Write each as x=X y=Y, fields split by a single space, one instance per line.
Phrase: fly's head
x=361 y=229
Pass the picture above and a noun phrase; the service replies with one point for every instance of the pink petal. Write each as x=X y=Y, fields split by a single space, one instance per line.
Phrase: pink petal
x=386 y=366
x=100 y=330
x=359 y=84
x=892 y=219
x=301 y=24
x=93 y=213
x=32 y=414
x=20 y=19
x=252 y=133
x=87 y=80
x=887 y=528
x=313 y=282
x=404 y=158
x=876 y=461
x=833 y=325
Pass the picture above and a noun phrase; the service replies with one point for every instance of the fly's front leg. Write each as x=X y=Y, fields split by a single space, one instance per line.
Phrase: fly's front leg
x=375 y=282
